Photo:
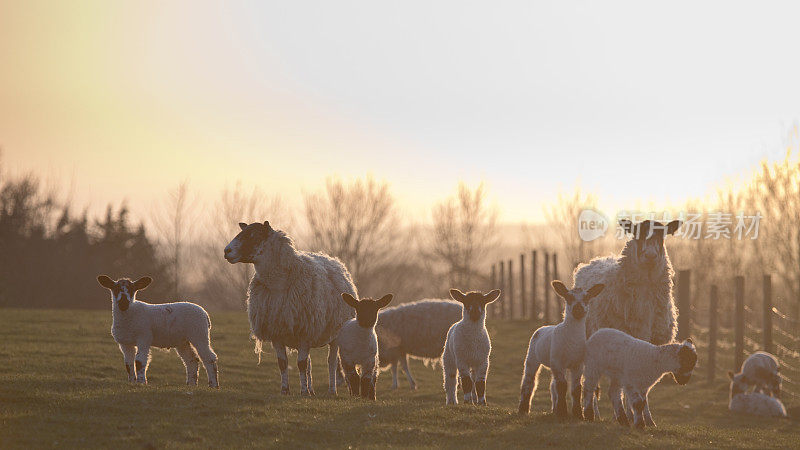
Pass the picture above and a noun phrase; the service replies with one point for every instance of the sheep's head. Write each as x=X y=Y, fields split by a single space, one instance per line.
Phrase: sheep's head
x=474 y=302
x=739 y=383
x=577 y=300
x=771 y=379
x=123 y=291
x=648 y=239
x=687 y=359
x=367 y=308
x=244 y=247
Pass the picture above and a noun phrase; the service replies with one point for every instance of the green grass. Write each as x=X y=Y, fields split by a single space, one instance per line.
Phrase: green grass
x=63 y=384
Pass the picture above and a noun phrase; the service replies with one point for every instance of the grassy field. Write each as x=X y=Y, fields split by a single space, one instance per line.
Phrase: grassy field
x=63 y=384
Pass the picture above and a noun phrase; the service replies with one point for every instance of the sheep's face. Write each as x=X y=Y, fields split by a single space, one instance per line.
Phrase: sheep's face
x=770 y=379
x=577 y=301
x=648 y=239
x=123 y=291
x=739 y=383
x=474 y=302
x=244 y=247
x=687 y=359
x=367 y=308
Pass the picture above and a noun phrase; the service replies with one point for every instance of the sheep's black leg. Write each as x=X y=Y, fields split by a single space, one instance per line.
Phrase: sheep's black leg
x=560 y=407
x=283 y=365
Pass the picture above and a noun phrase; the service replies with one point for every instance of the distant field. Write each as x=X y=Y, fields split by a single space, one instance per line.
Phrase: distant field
x=63 y=384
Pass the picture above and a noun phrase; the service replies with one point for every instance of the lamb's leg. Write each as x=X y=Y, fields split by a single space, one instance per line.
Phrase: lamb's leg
x=341 y=379
x=560 y=408
x=590 y=380
x=333 y=366
x=283 y=366
x=209 y=359
x=128 y=355
x=310 y=378
x=393 y=366
x=142 y=360
x=411 y=383
x=636 y=401
x=615 y=394
x=553 y=393
x=530 y=381
x=191 y=361
x=450 y=372
x=466 y=382
x=648 y=418
x=302 y=367
x=481 y=375
x=368 y=377
x=353 y=379
x=575 y=385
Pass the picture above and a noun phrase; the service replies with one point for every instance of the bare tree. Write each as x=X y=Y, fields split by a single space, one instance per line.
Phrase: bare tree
x=464 y=229
x=562 y=219
x=358 y=223
x=175 y=222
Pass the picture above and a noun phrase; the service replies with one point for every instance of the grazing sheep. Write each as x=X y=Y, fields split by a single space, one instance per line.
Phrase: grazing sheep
x=417 y=329
x=358 y=344
x=136 y=326
x=755 y=403
x=561 y=348
x=467 y=348
x=638 y=295
x=762 y=370
x=294 y=299
x=635 y=366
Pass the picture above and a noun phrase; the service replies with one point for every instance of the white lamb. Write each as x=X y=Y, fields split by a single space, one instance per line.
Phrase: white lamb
x=635 y=366
x=294 y=299
x=358 y=344
x=561 y=348
x=467 y=348
x=756 y=404
x=761 y=370
x=638 y=295
x=417 y=329
x=137 y=326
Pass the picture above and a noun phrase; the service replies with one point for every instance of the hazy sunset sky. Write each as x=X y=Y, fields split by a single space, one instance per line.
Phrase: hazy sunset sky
x=633 y=100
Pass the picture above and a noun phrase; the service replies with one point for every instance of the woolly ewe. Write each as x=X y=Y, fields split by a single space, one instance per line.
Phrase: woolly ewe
x=467 y=348
x=138 y=325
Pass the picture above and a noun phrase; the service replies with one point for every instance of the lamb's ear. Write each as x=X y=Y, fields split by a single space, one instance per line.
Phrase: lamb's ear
x=266 y=224
x=673 y=226
x=457 y=295
x=142 y=283
x=560 y=289
x=626 y=225
x=491 y=296
x=385 y=300
x=349 y=299
x=594 y=291
x=242 y=225
x=106 y=281
x=730 y=375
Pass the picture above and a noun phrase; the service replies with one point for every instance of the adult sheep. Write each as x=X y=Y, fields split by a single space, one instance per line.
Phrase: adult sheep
x=294 y=299
x=638 y=297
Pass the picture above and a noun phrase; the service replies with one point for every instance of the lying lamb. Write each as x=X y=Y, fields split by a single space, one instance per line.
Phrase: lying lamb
x=561 y=348
x=755 y=403
x=138 y=325
x=635 y=366
x=761 y=370
x=358 y=344
x=467 y=348
x=417 y=329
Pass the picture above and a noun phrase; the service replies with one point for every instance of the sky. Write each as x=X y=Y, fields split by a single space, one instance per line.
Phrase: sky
x=633 y=101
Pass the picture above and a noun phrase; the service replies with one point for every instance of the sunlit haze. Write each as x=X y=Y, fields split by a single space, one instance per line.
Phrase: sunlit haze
x=634 y=101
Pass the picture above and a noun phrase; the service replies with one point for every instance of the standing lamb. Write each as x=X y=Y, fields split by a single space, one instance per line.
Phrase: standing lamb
x=638 y=295
x=635 y=366
x=416 y=329
x=467 y=348
x=136 y=326
x=561 y=348
x=761 y=369
x=294 y=299
x=755 y=403
x=358 y=344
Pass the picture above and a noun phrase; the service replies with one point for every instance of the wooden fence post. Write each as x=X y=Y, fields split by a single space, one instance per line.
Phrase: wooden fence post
x=739 y=297
x=534 y=312
x=489 y=310
x=502 y=288
x=546 y=310
x=767 y=322
x=684 y=304
x=713 y=324
x=510 y=310
x=523 y=300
